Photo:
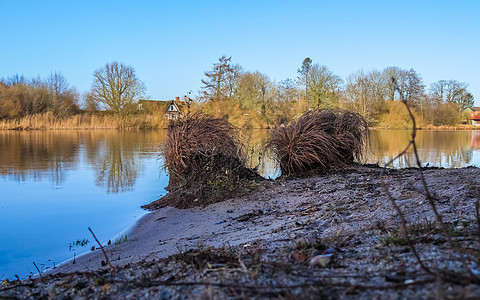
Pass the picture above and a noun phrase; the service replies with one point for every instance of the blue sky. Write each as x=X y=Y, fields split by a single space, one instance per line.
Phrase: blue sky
x=171 y=43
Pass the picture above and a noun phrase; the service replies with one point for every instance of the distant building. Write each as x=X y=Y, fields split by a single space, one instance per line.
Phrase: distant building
x=473 y=115
x=171 y=108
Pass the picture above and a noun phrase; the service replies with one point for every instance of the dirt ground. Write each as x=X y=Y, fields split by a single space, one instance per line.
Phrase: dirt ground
x=333 y=236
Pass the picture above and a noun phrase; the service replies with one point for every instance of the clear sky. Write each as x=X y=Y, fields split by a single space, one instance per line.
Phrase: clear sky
x=171 y=43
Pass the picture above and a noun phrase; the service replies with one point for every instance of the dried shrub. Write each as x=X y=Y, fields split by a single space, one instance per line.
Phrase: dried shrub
x=320 y=140
x=205 y=162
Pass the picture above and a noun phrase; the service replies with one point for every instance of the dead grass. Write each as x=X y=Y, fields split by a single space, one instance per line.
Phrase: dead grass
x=86 y=121
x=320 y=140
x=205 y=160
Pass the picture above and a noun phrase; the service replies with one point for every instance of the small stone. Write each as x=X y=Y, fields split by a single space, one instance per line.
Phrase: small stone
x=321 y=260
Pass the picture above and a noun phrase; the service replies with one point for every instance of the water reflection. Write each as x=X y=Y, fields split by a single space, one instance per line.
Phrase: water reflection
x=258 y=156
x=117 y=165
x=115 y=156
x=50 y=155
x=450 y=149
x=37 y=155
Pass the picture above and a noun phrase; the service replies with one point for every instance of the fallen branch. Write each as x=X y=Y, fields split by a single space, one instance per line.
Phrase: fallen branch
x=39 y=273
x=103 y=250
x=444 y=274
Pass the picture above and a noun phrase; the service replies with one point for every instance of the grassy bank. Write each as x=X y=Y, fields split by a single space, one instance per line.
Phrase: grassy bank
x=86 y=121
x=156 y=121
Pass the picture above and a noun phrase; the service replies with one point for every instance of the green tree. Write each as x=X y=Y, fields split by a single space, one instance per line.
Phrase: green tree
x=117 y=86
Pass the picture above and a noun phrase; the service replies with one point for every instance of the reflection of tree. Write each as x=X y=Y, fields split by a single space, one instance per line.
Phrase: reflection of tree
x=438 y=148
x=115 y=156
x=260 y=157
x=38 y=155
x=112 y=156
x=118 y=169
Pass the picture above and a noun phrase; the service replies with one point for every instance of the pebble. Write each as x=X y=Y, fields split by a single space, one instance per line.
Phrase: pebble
x=321 y=260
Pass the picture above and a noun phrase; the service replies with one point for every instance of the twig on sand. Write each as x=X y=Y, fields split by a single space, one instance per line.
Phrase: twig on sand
x=39 y=272
x=103 y=250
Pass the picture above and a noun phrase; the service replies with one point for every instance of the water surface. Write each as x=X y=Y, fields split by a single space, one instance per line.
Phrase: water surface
x=55 y=184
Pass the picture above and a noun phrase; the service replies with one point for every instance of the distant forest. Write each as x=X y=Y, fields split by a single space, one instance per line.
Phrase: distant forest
x=251 y=99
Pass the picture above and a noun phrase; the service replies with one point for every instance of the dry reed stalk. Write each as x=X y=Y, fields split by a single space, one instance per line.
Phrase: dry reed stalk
x=196 y=141
x=205 y=160
x=320 y=140
x=85 y=121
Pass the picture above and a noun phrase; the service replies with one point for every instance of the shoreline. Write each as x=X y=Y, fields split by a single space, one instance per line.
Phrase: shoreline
x=270 y=237
x=167 y=231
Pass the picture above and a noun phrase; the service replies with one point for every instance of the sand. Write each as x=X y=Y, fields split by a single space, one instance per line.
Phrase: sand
x=339 y=203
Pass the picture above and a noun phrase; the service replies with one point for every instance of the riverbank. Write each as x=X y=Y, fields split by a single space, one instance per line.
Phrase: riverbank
x=335 y=236
x=105 y=120
x=90 y=121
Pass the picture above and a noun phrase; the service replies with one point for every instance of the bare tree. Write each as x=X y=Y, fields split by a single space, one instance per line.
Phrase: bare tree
x=64 y=99
x=89 y=104
x=219 y=84
x=451 y=91
x=303 y=73
x=9 y=101
x=323 y=87
x=255 y=91
x=390 y=87
x=116 y=85
x=365 y=93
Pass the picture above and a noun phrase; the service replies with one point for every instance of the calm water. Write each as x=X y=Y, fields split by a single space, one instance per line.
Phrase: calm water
x=55 y=184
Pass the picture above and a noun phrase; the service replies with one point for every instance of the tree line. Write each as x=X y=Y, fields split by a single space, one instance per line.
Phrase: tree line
x=20 y=96
x=115 y=87
x=230 y=91
x=372 y=94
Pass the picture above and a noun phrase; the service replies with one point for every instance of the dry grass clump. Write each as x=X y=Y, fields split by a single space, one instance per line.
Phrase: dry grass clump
x=320 y=140
x=205 y=161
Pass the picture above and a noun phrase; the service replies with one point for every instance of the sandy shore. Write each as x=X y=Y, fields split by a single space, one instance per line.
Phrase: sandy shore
x=170 y=230
x=330 y=236
x=276 y=209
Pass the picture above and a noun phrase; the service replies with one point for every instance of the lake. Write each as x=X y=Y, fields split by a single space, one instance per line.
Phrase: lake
x=56 y=184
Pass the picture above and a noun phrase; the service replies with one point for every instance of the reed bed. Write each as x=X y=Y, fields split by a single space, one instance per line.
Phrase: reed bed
x=86 y=121
x=205 y=160
x=320 y=140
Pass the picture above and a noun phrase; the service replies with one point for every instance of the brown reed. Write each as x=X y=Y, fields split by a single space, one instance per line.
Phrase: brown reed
x=320 y=140
x=47 y=121
x=205 y=160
